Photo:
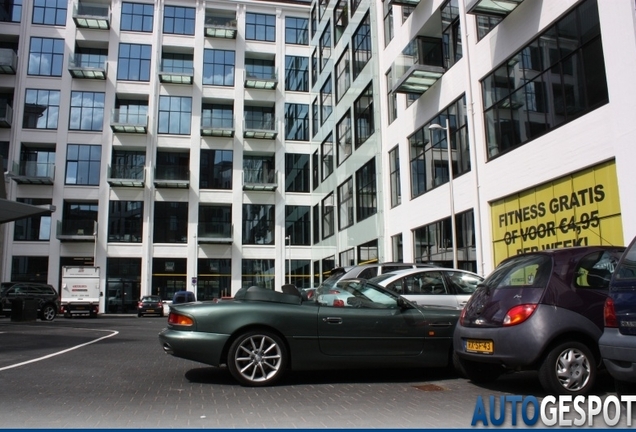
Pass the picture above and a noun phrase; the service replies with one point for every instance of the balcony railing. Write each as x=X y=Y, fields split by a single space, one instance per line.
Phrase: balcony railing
x=215 y=232
x=419 y=66
x=32 y=172
x=220 y=27
x=171 y=75
x=402 y=2
x=91 y=16
x=126 y=176
x=84 y=66
x=266 y=79
x=8 y=61
x=126 y=122
x=260 y=128
x=6 y=114
x=171 y=176
x=260 y=179
x=497 y=8
x=82 y=230
x=217 y=127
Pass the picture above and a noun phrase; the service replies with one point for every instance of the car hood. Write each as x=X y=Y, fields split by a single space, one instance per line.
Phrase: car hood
x=488 y=306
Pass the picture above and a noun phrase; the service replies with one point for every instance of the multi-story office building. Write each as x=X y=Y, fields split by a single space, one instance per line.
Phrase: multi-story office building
x=210 y=145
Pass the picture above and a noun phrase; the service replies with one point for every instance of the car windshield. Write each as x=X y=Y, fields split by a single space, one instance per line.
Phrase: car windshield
x=150 y=299
x=356 y=293
x=524 y=270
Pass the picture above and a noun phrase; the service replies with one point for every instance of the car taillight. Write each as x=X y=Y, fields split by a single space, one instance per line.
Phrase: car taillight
x=461 y=317
x=177 y=319
x=139 y=304
x=609 y=314
x=518 y=314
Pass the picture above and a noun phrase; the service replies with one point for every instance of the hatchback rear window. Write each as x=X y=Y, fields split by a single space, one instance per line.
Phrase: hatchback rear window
x=627 y=267
x=526 y=270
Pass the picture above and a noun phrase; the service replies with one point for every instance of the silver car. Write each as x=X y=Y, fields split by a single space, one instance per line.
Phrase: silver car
x=432 y=286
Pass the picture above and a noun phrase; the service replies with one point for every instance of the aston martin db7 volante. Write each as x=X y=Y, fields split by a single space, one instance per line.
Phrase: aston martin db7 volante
x=261 y=333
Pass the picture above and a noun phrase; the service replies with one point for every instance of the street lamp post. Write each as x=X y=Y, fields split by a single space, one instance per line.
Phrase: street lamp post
x=450 y=185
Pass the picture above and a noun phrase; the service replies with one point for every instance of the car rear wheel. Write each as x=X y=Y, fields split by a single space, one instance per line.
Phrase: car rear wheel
x=478 y=372
x=48 y=312
x=257 y=358
x=569 y=369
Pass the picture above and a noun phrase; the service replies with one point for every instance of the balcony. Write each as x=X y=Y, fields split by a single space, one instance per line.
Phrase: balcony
x=80 y=67
x=419 y=66
x=402 y=2
x=6 y=114
x=122 y=121
x=91 y=16
x=77 y=230
x=184 y=75
x=260 y=179
x=496 y=8
x=217 y=127
x=260 y=129
x=8 y=61
x=217 y=26
x=173 y=177
x=31 y=172
x=126 y=176
x=215 y=232
x=265 y=79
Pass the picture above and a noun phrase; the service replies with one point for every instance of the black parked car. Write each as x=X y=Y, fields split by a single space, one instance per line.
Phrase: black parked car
x=48 y=301
x=151 y=304
x=618 y=342
x=539 y=311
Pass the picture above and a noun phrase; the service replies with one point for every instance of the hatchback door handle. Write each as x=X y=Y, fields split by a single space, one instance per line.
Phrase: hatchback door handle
x=333 y=320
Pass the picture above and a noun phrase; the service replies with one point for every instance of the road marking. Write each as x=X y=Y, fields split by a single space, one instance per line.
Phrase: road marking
x=114 y=332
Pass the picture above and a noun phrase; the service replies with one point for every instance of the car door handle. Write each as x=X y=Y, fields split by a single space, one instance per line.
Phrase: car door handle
x=441 y=324
x=333 y=320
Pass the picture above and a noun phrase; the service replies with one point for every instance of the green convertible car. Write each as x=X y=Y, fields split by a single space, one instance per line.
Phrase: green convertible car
x=261 y=333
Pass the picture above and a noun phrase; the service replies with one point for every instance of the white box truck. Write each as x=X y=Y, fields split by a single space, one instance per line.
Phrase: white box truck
x=80 y=292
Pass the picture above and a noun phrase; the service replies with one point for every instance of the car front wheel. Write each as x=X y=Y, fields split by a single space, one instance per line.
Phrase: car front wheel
x=569 y=369
x=48 y=312
x=257 y=358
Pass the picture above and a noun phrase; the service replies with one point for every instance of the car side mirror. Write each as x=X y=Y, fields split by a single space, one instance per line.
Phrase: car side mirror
x=404 y=303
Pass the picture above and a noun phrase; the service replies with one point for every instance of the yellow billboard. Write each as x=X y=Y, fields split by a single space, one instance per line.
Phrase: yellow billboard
x=576 y=210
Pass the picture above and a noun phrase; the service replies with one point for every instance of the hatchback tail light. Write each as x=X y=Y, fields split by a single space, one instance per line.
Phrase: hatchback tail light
x=609 y=314
x=518 y=314
x=461 y=317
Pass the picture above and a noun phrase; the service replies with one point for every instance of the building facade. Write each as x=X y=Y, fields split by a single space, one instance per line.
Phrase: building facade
x=210 y=145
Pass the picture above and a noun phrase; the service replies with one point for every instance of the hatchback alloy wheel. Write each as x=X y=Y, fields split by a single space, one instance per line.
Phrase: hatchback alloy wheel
x=257 y=358
x=569 y=368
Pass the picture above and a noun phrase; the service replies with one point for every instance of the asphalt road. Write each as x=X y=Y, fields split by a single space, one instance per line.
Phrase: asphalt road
x=110 y=372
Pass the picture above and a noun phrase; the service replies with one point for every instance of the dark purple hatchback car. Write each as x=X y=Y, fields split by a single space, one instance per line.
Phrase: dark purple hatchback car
x=540 y=311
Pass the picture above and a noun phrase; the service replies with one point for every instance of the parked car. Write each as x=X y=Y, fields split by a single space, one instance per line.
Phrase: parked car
x=151 y=304
x=48 y=301
x=367 y=271
x=183 y=297
x=432 y=286
x=261 y=333
x=618 y=342
x=541 y=311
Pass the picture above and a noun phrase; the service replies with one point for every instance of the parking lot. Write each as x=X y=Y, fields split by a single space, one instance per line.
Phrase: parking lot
x=110 y=372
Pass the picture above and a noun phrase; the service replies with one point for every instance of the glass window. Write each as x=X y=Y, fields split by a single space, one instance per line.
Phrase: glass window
x=485 y=24
x=258 y=224
x=79 y=217
x=260 y=27
x=215 y=221
x=259 y=117
x=391 y=98
x=366 y=191
x=296 y=172
x=260 y=68
x=46 y=56
x=175 y=114
x=137 y=17
x=314 y=118
x=397 y=248
x=328 y=212
x=217 y=116
x=170 y=222
x=361 y=45
x=300 y=273
x=314 y=21
x=296 y=73
x=4 y=152
x=298 y=225
x=34 y=228
x=82 y=164
x=49 y=12
x=134 y=62
x=297 y=122
x=218 y=67
x=178 y=20
x=326 y=104
x=87 y=111
x=451 y=33
x=343 y=75
x=388 y=26
x=214 y=278
x=345 y=204
x=127 y=164
x=30 y=268
x=316 y=222
x=325 y=46
x=132 y=111
x=178 y=63
x=11 y=11
x=41 y=109
x=258 y=272
x=343 y=138
x=315 y=170
x=394 y=174
x=172 y=165
x=326 y=152
x=37 y=161
x=216 y=169
x=125 y=221
x=340 y=19
x=363 y=116
x=296 y=31
x=314 y=67
x=356 y=294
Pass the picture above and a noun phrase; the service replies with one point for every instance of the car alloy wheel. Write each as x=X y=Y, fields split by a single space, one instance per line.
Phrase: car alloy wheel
x=257 y=358
x=48 y=313
x=569 y=368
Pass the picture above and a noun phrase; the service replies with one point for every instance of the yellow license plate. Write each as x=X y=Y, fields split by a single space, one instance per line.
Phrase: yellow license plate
x=150 y=310
x=80 y=308
x=480 y=346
